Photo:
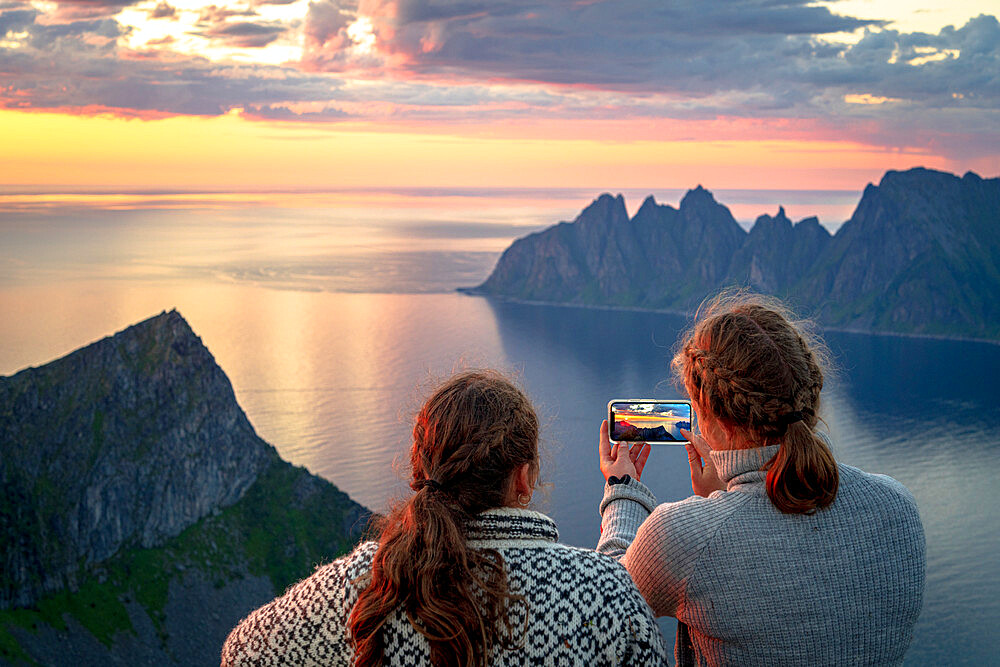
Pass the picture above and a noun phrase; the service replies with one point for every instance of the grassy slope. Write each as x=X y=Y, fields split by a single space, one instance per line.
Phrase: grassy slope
x=286 y=524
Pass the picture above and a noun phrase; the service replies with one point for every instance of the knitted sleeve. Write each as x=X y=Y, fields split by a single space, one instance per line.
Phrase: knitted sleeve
x=623 y=509
x=305 y=626
x=661 y=551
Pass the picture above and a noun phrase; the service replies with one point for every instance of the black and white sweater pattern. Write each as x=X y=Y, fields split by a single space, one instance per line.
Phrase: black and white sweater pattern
x=583 y=608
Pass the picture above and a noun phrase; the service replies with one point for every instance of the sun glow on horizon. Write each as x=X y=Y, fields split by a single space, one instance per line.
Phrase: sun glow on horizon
x=231 y=152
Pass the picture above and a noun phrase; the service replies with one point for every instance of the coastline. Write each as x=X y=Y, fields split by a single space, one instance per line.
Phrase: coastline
x=476 y=292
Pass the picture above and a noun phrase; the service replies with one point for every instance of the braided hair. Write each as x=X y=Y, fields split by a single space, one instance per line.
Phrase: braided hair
x=759 y=373
x=470 y=437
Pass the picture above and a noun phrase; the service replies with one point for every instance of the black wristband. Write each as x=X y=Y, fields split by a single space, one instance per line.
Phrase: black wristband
x=624 y=479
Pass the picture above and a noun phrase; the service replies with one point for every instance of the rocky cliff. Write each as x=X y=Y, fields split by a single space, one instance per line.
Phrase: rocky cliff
x=141 y=513
x=920 y=254
x=127 y=441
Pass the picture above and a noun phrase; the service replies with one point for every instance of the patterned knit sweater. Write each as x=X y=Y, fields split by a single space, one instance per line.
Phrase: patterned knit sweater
x=750 y=585
x=583 y=608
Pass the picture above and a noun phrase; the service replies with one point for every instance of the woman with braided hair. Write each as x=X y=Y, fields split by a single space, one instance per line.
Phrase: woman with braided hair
x=782 y=556
x=462 y=572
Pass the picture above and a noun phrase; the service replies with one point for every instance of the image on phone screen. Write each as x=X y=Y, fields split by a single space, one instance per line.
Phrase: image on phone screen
x=653 y=421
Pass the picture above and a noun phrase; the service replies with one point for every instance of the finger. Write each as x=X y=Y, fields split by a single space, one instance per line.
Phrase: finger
x=694 y=460
x=640 y=461
x=635 y=450
x=699 y=443
x=604 y=443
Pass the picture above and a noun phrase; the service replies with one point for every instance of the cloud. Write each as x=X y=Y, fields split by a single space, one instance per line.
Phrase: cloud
x=214 y=14
x=163 y=11
x=77 y=66
x=284 y=113
x=325 y=33
x=16 y=20
x=71 y=10
x=785 y=66
x=618 y=44
x=246 y=34
x=739 y=57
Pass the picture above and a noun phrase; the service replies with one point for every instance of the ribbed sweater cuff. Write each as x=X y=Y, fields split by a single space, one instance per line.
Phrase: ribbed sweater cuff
x=634 y=490
x=623 y=509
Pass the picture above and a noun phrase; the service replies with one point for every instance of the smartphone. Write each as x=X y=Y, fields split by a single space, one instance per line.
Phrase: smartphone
x=655 y=421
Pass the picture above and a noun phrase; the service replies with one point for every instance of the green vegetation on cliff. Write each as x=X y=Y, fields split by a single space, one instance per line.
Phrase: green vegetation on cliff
x=285 y=525
x=140 y=511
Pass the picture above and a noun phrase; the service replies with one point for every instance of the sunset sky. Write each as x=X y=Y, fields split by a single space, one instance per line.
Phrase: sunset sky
x=244 y=95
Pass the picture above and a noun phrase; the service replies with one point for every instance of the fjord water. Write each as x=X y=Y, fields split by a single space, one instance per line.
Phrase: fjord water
x=331 y=372
x=332 y=380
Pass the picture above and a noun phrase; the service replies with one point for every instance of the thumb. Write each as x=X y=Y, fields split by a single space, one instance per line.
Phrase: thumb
x=694 y=460
x=604 y=443
x=699 y=443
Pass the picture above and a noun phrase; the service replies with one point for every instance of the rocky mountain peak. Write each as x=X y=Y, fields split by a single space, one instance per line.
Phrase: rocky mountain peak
x=915 y=176
x=767 y=225
x=125 y=442
x=604 y=210
x=648 y=203
x=697 y=198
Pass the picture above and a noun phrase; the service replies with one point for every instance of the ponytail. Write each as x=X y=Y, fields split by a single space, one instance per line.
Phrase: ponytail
x=469 y=438
x=802 y=477
x=451 y=594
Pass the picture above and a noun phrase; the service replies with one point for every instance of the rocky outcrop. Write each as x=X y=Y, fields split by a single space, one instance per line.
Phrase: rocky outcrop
x=920 y=254
x=141 y=516
x=604 y=257
x=776 y=254
x=125 y=442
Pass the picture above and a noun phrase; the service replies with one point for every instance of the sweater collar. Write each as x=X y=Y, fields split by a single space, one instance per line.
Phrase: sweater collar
x=510 y=523
x=742 y=466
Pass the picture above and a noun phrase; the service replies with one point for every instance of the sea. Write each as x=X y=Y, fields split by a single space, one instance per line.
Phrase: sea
x=334 y=314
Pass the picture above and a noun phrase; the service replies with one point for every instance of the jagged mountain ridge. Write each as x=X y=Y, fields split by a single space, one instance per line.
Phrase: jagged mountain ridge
x=920 y=254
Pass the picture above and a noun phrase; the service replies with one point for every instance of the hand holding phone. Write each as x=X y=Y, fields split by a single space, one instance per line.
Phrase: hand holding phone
x=622 y=458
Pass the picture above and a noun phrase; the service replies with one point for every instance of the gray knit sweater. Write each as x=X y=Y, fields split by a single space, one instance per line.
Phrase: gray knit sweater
x=582 y=607
x=750 y=585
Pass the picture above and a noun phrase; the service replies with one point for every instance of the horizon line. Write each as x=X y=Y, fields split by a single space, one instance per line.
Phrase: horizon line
x=37 y=190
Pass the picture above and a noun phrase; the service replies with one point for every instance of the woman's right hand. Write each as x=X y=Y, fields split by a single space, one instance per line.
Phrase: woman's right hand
x=621 y=459
x=704 y=478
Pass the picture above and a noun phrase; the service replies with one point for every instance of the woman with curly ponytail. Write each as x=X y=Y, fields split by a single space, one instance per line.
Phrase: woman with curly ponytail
x=462 y=573
x=782 y=556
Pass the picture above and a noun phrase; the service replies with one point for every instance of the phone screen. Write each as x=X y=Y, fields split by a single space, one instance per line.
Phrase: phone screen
x=652 y=421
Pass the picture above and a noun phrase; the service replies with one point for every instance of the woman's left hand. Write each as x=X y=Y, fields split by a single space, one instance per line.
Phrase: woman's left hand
x=704 y=478
x=621 y=459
